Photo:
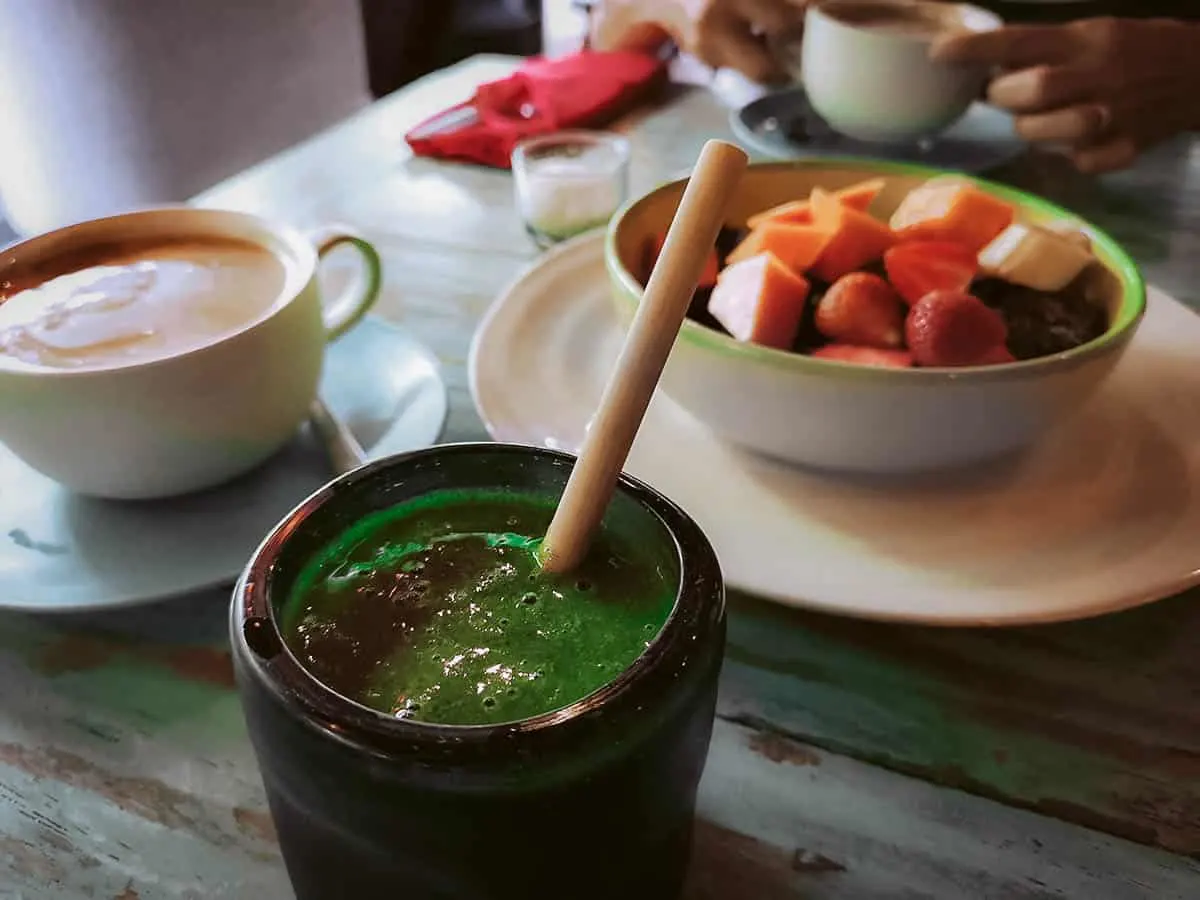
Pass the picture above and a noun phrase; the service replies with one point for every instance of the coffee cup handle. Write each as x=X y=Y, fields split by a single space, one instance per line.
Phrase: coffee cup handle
x=344 y=311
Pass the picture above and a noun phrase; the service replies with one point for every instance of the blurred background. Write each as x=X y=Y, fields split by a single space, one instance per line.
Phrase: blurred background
x=108 y=104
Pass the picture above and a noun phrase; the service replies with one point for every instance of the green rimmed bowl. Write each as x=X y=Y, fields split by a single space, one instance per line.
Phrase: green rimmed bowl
x=835 y=415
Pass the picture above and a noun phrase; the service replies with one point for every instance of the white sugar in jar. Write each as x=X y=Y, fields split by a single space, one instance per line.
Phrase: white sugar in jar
x=569 y=182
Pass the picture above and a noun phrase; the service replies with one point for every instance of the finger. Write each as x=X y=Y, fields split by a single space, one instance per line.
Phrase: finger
x=1119 y=153
x=1009 y=47
x=771 y=16
x=641 y=38
x=731 y=45
x=752 y=58
x=621 y=26
x=1078 y=125
x=1041 y=88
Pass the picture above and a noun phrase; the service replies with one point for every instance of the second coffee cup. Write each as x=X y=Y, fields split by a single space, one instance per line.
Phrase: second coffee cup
x=866 y=69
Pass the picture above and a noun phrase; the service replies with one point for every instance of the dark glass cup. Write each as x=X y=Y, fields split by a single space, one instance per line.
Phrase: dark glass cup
x=593 y=801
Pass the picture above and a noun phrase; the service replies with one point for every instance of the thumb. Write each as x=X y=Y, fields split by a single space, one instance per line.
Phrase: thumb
x=643 y=37
x=627 y=26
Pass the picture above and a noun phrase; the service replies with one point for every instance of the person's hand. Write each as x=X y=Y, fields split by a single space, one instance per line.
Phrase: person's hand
x=1106 y=89
x=735 y=34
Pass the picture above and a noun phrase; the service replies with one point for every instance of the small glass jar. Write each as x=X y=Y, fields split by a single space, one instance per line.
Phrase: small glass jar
x=592 y=802
x=569 y=182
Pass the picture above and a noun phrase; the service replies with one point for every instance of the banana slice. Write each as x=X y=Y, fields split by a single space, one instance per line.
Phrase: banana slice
x=1071 y=232
x=1036 y=257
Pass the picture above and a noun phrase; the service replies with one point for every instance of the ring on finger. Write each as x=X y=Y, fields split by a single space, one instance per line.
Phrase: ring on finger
x=1073 y=125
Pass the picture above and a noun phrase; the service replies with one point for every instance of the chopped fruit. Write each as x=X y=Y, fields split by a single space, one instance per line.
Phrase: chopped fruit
x=865 y=356
x=712 y=269
x=796 y=246
x=955 y=280
x=712 y=266
x=761 y=301
x=951 y=209
x=918 y=267
x=794 y=212
x=996 y=357
x=1071 y=232
x=862 y=309
x=1035 y=257
x=857 y=238
x=951 y=328
x=858 y=196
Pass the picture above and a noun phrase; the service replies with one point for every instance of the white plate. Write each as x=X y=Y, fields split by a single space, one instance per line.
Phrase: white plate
x=64 y=553
x=1103 y=515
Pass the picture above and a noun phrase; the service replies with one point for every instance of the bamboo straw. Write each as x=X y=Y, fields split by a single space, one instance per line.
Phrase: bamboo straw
x=689 y=242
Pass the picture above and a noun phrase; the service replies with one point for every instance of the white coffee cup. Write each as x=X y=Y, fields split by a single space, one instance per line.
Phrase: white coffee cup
x=192 y=420
x=874 y=81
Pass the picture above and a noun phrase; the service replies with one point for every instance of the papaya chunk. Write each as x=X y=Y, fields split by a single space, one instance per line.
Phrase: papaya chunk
x=761 y=301
x=858 y=196
x=954 y=210
x=861 y=195
x=794 y=212
x=857 y=238
x=796 y=246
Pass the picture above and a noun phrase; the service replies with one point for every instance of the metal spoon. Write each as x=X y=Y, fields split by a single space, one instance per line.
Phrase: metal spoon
x=342 y=448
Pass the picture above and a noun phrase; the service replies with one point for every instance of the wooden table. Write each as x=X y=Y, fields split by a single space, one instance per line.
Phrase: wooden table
x=850 y=759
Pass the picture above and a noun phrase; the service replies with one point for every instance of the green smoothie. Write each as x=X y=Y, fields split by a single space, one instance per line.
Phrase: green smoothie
x=437 y=610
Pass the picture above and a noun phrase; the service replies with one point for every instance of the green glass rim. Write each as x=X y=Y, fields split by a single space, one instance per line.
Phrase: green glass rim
x=1129 y=313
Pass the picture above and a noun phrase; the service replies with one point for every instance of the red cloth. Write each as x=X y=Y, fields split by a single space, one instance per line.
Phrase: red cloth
x=584 y=90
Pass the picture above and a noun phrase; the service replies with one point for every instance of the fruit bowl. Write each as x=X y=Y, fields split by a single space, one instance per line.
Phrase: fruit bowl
x=836 y=415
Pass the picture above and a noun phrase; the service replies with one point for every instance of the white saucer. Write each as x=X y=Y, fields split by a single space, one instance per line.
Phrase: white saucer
x=1103 y=515
x=64 y=553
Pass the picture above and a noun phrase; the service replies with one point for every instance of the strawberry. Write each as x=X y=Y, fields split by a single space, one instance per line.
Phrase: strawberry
x=951 y=328
x=997 y=356
x=918 y=267
x=861 y=309
x=865 y=356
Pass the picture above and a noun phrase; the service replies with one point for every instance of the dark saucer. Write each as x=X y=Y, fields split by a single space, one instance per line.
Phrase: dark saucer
x=783 y=125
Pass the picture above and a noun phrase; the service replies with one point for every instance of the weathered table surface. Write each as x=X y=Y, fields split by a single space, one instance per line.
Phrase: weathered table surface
x=850 y=760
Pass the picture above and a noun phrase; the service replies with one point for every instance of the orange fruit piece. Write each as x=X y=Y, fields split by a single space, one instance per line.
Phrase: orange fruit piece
x=917 y=267
x=953 y=210
x=796 y=246
x=857 y=238
x=760 y=301
x=858 y=196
